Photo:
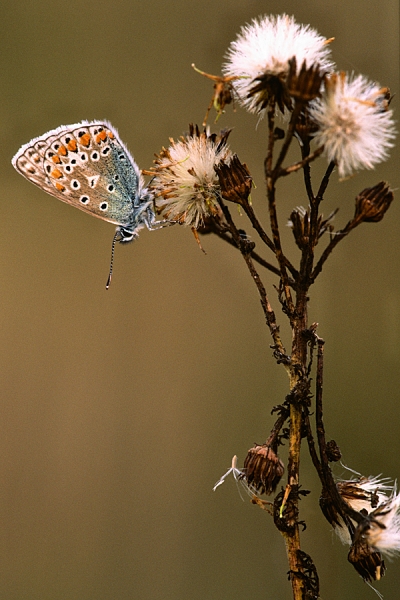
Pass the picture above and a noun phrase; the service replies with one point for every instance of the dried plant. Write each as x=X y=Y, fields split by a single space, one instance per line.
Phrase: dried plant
x=278 y=69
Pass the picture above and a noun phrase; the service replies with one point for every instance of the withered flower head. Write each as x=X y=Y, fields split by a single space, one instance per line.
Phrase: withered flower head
x=372 y=203
x=333 y=451
x=260 y=59
x=222 y=95
x=365 y=495
x=376 y=532
x=185 y=184
x=263 y=468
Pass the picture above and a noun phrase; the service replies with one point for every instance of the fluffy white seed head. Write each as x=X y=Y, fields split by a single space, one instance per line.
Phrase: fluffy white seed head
x=355 y=126
x=265 y=47
x=186 y=184
x=384 y=535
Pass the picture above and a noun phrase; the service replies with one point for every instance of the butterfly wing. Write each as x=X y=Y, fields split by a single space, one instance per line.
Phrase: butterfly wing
x=86 y=165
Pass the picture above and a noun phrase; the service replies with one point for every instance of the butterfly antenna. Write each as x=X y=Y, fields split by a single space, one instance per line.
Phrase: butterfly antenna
x=115 y=239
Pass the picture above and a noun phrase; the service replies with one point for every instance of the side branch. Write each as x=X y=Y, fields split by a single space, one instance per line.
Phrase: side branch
x=266 y=306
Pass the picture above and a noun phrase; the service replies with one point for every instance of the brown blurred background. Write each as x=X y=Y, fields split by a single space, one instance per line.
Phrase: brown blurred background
x=120 y=409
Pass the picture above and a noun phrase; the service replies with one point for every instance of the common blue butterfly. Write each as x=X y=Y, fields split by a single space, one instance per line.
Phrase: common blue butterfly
x=86 y=165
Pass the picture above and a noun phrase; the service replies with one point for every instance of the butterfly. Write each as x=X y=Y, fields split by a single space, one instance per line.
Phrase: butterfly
x=87 y=165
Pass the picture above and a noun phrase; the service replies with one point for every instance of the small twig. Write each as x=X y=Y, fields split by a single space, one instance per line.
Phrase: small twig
x=254 y=255
x=305 y=152
x=301 y=164
x=277 y=243
x=327 y=480
x=324 y=182
x=265 y=238
x=277 y=170
x=267 y=308
x=335 y=239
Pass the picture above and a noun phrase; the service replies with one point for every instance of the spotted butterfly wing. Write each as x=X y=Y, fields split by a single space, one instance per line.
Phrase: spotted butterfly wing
x=86 y=165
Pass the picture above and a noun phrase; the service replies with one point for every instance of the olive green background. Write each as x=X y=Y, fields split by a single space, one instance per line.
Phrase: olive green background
x=120 y=409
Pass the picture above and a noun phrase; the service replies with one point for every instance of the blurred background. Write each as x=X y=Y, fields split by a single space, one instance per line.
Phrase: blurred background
x=121 y=409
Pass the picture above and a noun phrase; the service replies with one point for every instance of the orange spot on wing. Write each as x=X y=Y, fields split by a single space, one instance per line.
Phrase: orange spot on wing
x=56 y=159
x=100 y=137
x=72 y=146
x=62 y=150
x=56 y=173
x=85 y=139
x=60 y=187
x=110 y=135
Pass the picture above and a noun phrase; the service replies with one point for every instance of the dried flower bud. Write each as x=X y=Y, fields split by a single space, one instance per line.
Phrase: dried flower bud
x=299 y=221
x=234 y=179
x=372 y=203
x=333 y=451
x=367 y=562
x=286 y=508
x=263 y=469
x=300 y=224
x=310 y=575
